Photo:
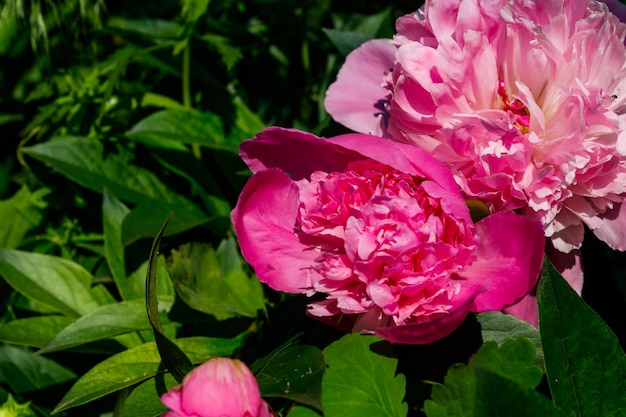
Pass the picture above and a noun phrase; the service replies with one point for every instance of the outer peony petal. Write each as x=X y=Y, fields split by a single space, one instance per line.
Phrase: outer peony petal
x=263 y=220
x=275 y=147
x=433 y=330
x=613 y=227
x=353 y=100
x=525 y=309
x=508 y=261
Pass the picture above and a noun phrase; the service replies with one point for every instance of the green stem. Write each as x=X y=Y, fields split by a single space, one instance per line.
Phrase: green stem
x=121 y=402
x=195 y=148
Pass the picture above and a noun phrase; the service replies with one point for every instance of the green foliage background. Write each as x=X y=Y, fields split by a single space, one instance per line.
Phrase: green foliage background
x=115 y=115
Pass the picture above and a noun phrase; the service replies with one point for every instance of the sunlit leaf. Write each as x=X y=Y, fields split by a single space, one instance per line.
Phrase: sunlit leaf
x=54 y=282
x=514 y=360
x=19 y=214
x=139 y=364
x=102 y=323
x=360 y=382
x=84 y=161
x=585 y=363
x=113 y=214
x=33 y=331
x=182 y=126
x=144 y=401
x=214 y=282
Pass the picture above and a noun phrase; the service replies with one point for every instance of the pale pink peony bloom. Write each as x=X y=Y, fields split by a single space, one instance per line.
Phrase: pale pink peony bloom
x=220 y=387
x=381 y=229
x=524 y=100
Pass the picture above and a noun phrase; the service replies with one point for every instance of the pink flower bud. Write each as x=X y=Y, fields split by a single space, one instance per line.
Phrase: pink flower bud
x=220 y=387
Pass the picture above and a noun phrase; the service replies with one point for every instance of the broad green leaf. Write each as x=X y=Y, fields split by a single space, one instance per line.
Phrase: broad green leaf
x=359 y=382
x=113 y=214
x=457 y=397
x=182 y=126
x=500 y=396
x=247 y=123
x=25 y=372
x=145 y=219
x=144 y=401
x=193 y=9
x=84 y=161
x=103 y=323
x=214 y=282
x=157 y=29
x=346 y=41
x=20 y=214
x=585 y=364
x=158 y=100
x=498 y=327
x=139 y=364
x=293 y=372
x=54 y=282
x=33 y=331
x=513 y=359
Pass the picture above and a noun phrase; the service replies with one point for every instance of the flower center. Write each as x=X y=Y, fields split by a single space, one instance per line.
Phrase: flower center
x=384 y=242
x=516 y=107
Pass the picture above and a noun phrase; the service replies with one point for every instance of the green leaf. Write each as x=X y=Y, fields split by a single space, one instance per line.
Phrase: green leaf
x=346 y=41
x=359 y=382
x=457 y=397
x=84 y=161
x=146 y=218
x=230 y=54
x=20 y=214
x=25 y=372
x=158 y=100
x=103 y=323
x=12 y=409
x=500 y=396
x=585 y=364
x=173 y=357
x=139 y=364
x=144 y=401
x=33 y=331
x=154 y=28
x=113 y=214
x=498 y=327
x=214 y=282
x=174 y=126
x=293 y=372
x=54 y=282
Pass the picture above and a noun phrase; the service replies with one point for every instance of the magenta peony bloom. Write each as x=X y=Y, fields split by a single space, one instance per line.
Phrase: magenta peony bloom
x=381 y=229
x=525 y=100
x=220 y=387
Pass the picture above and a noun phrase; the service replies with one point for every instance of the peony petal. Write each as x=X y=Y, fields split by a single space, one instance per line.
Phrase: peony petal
x=525 y=309
x=508 y=260
x=411 y=160
x=353 y=100
x=263 y=220
x=569 y=266
x=613 y=227
x=275 y=147
x=433 y=330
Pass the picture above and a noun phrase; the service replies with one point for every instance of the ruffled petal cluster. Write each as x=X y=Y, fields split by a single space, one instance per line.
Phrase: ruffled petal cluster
x=220 y=387
x=381 y=232
x=524 y=100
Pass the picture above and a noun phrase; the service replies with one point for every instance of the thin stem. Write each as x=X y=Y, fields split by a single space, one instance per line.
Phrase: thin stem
x=195 y=148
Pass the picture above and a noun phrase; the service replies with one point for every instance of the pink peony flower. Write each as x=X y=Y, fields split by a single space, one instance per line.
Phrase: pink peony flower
x=220 y=387
x=381 y=230
x=525 y=100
